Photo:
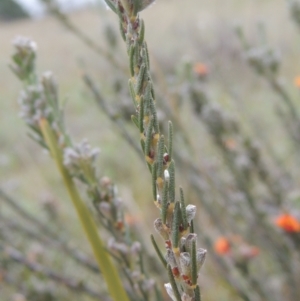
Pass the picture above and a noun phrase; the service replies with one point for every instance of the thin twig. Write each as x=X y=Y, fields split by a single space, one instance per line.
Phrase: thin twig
x=56 y=239
x=73 y=285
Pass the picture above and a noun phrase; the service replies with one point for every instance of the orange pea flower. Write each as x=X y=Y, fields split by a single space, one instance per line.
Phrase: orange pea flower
x=222 y=246
x=288 y=223
x=200 y=69
x=297 y=81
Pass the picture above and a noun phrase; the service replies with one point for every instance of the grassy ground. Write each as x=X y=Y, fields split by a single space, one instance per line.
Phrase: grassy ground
x=176 y=31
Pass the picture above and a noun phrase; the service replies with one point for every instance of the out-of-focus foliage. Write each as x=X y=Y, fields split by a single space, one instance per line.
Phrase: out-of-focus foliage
x=11 y=10
x=232 y=94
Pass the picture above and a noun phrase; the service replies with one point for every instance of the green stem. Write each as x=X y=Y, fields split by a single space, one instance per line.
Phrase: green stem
x=110 y=273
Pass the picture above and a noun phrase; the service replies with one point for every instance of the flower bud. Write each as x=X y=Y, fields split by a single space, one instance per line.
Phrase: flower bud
x=190 y=212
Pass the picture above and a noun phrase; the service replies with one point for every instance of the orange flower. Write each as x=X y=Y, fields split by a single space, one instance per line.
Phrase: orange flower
x=222 y=245
x=288 y=223
x=201 y=69
x=297 y=81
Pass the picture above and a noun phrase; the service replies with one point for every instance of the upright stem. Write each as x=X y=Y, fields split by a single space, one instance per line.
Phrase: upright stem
x=110 y=274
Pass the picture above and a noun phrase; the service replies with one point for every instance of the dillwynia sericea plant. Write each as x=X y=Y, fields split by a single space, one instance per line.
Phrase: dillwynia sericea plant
x=41 y=111
x=183 y=259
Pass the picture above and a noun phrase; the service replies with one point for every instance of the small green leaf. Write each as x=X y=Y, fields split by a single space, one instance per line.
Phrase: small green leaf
x=160 y=256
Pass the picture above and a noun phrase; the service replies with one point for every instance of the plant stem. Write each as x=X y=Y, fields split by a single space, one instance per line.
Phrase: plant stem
x=110 y=274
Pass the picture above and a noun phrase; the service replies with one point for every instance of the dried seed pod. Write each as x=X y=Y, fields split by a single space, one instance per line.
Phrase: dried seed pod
x=185 y=264
x=200 y=257
x=190 y=212
x=171 y=260
x=161 y=229
x=189 y=241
